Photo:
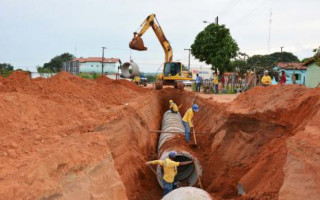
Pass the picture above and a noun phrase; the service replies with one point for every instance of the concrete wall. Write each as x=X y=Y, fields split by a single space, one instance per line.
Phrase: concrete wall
x=313 y=75
x=95 y=67
x=43 y=75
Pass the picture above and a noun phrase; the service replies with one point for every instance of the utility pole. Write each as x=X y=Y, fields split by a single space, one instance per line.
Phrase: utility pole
x=269 y=36
x=189 y=58
x=103 y=48
x=281 y=53
x=217 y=20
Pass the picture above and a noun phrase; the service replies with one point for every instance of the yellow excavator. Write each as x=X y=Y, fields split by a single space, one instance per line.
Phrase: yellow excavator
x=173 y=73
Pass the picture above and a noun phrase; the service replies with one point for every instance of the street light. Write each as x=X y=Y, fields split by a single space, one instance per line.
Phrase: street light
x=103 y=48
x=216 y=21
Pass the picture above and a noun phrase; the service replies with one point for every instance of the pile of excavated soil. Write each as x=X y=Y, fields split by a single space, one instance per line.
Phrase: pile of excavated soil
x=50 y=145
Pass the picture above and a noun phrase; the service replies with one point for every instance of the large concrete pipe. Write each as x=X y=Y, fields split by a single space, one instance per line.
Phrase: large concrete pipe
x=187 y=175
x=125 y=69
x=187 y=193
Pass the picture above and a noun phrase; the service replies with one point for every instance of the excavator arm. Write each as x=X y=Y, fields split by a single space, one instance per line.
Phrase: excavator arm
x=137 y=42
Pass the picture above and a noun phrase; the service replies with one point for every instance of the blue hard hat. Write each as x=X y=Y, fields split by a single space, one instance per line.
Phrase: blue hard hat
x=172 y=154
x=195 y=107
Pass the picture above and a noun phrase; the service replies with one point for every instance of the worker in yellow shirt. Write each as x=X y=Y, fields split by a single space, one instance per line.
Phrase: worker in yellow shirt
x=266 y=79
x=169 y=170
x=173 y=107
x=215 y=83
x=136 y=80
x=187 y=120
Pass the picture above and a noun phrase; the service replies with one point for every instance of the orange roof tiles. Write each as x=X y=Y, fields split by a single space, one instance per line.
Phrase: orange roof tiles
x=292 y=65
x=97 y=59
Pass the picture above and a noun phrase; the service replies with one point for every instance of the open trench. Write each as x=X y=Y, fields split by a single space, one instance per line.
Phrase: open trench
x=267 y=140
x=236 y=148
x=232 y=148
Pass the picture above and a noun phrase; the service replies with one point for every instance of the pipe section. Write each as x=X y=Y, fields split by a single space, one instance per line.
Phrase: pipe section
x=187 y=175
x=187 y=193
x=125 y=69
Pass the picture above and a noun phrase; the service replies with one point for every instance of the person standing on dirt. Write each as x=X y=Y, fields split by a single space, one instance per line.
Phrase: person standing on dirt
x=198 y=82
x=266 y=79
x=283 y=78
x=169 y=170
x=187 y=120
x=173 y=107
x=215 y=82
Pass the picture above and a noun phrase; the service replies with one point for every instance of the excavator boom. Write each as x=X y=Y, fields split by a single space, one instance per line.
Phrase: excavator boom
x=138 y=44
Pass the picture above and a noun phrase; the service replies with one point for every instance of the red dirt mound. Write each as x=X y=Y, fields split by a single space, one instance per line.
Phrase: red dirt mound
x=45 y=129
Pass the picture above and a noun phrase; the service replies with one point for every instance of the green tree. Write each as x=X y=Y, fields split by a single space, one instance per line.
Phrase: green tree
x=240 y=66
x=306 y=59
x=316 y=56
x=6 y=66
x=282 y=57
x=151 y=78
x=215 y=46
x=56 y=63
x=259 y=63
x=5 y=69
x=44 y=70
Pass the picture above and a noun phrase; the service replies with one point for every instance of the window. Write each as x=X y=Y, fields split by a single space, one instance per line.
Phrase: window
x=97 y=65
x=298 y=77
x=172 y=68
x=91 y=65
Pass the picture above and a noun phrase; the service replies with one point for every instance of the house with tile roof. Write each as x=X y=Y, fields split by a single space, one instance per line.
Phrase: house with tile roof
x=92 y=65
x=295 y=71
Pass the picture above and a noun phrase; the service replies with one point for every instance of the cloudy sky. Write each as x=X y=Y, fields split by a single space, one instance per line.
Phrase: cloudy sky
x=34 y=31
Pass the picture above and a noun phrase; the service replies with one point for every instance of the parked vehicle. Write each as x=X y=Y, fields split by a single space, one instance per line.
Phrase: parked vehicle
x=188 y=82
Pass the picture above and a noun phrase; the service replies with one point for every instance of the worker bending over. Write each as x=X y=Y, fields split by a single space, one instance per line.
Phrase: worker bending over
x=187 y=120
x=266 y=79
x=169 y=170
x=173 y=107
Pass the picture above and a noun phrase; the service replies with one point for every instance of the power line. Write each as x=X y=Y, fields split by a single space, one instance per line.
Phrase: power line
x=228 y=7
x=249 y=14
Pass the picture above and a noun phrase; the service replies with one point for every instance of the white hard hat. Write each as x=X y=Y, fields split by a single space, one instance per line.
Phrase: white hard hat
x=266 y=71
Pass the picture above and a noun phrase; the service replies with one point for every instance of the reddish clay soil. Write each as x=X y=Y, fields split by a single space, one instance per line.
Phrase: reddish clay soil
x=72 y=138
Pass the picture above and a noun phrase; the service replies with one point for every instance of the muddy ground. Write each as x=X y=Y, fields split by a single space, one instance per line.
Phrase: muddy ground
x=71 y=138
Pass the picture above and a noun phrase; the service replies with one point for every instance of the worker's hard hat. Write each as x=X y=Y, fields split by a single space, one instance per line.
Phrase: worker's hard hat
x=195 y=107
x=172 y=154
x=266 y=71
x=170 y=101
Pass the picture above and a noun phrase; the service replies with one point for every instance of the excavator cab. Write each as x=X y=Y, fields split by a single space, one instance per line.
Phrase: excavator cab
x=172 y=68
x=137 y=43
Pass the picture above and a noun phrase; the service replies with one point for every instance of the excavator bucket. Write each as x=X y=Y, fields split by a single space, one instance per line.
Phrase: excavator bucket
x=137 y=44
